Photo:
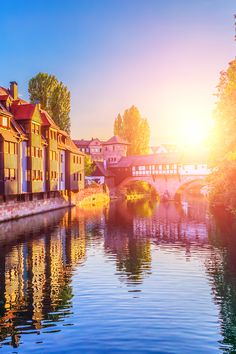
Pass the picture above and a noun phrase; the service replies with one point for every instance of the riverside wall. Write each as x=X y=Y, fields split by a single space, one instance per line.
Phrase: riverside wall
x=16 y=207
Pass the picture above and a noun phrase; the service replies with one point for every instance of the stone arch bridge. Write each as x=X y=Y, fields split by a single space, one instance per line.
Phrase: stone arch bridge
x=169 y=174
x=167 y=187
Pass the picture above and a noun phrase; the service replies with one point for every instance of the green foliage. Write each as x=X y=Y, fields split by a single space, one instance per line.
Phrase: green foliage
x=88 y=165
x=223 y=149
x=53 y=96
x=135 y=129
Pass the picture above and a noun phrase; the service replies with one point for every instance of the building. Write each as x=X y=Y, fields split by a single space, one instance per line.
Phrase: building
x=114 y=149
x=35 y=155
x=110 y=151
x=165 y=164
x=91 y=147
x=101 y=175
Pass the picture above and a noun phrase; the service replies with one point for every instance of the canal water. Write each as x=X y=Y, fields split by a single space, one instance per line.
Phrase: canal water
x=137 y=277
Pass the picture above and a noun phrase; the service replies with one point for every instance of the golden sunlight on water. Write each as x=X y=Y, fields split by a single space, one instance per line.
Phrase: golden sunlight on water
x=82 y=273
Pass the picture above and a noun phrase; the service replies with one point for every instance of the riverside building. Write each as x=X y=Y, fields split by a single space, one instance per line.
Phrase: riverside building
x=36 y=157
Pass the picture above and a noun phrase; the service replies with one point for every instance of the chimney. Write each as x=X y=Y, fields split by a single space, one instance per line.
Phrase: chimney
x=14 y=90
x=37 y=104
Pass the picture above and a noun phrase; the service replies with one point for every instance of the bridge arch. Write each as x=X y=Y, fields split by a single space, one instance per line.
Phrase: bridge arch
x=167 y=187
x=128 y=180
x=188 y=183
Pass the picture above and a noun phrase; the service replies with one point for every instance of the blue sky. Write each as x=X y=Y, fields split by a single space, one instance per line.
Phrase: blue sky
x=162 y=56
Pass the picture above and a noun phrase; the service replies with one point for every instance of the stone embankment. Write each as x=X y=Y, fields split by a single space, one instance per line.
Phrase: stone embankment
x=30 y=204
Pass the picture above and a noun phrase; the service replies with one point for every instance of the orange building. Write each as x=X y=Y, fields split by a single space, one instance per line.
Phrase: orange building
x=35 y=155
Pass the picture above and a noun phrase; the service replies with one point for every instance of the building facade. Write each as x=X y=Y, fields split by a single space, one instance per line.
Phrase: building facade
x=35 y=155
x=110 y=151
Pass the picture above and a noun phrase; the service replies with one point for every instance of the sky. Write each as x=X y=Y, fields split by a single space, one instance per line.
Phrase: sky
x=163 y=56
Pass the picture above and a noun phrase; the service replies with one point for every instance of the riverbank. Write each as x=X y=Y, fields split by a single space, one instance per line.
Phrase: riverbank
x=30 y=204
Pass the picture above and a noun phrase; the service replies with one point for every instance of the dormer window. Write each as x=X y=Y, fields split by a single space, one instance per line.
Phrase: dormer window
x=4 y=122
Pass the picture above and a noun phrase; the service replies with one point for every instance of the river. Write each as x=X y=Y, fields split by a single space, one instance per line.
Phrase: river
x=133 y=277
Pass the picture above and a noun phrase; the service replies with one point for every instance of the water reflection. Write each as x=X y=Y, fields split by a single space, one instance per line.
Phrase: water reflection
x=36 y=273
x=221 y=268
x=40 y=256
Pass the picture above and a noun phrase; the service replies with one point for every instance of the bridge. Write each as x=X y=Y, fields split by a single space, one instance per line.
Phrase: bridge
x=168 y=173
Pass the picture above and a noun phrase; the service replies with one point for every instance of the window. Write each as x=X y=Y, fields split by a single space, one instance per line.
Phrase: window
x=80 y=176
x=62 y=177
x=61 y=158
x=7 y=173
x=7 y=147
x=12 y=173
x=28 y=172
x=10 y=148
x=37 y=131
x=53 y=155
x=33 y=175
x=4 y=122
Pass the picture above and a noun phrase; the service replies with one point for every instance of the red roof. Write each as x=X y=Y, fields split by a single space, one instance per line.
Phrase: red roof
x=116 y=140
x=47 y=120
x=100 y=170
x=4 y=94
x=23 y=111
x=72 y=147
x=4 y=111
x=163 y=158
x=86 y=143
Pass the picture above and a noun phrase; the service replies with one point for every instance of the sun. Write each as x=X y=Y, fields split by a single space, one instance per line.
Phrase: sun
x=194 y=133
x=191 y=122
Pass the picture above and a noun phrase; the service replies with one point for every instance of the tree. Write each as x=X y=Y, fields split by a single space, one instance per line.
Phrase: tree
x=135 y=129
x=118 y=125
x=88 y=165
x=223 y=149
x=53 y=96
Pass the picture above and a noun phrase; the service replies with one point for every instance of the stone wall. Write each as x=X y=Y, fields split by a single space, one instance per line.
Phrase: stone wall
x=25 y=205
x=16 y=209
x=90 y=195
